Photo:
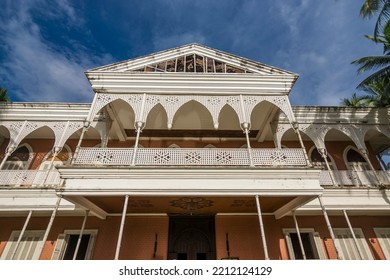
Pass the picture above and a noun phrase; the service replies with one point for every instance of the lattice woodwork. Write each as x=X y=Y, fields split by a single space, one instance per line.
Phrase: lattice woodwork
x=202 y=157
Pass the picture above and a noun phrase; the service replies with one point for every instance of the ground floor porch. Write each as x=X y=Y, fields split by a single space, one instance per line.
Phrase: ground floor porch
x=208 y=236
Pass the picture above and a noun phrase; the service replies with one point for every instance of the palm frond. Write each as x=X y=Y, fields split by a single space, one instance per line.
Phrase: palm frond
x=383 y=18
x=369 y=8
x=371 y=62
x=380 y=74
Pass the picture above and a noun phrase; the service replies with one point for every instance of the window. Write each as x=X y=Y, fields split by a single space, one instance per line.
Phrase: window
x=347 y=245
x=67 y=242
x=355 y=161
x=20 y=159
x=383 y=235
x=311 y=243
x=29 y=246
x=318 y=160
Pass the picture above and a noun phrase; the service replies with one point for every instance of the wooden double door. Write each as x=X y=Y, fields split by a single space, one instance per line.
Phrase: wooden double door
x=191 y=238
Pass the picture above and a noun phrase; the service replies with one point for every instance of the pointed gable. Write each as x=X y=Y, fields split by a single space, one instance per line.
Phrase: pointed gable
x=192 y=58
x=191 y=69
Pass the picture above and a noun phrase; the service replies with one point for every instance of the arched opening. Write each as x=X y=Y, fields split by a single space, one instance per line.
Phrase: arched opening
x=192 y=116
x=20 y=159
x=317 y=159
x=41 y=142
x=156 y=119
x=262 y=115
x=336 y=142
x=228 y=119
x=354 y=160
x=209 y=146
x=290 y=140
x=122 y=118
x=62 y=158
x=378 y=144
x=174 y=146
x=4 y=138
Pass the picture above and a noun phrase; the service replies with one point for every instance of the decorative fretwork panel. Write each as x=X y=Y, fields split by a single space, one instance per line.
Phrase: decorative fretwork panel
x=201 y=157
x=275 y=157
x=63 y=130
x=29 y=177
x=208 y=156
x=104 y=156
x=354 y=178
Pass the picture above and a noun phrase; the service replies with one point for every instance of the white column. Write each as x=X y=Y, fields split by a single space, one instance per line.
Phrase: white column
x=139 y=126
x=365 y=155
x=262 y=233
x=80 y=235
x=296 y=129
x=118 y=245
x=245 y=127
x=299 y=235
x=324 y=155
x=49 y=225
x=21 y=234
x=8 y=153
x=14 y=145
x=85 y=128
x=329 y=227
x=353 y=234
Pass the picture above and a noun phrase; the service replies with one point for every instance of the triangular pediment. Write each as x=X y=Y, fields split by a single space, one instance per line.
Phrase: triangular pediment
x=193 y=58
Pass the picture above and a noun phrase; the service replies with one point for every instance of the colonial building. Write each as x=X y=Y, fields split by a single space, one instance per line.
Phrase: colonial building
x=193 y=153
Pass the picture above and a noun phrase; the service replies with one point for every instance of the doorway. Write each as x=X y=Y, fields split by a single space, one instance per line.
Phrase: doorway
x=191 y=238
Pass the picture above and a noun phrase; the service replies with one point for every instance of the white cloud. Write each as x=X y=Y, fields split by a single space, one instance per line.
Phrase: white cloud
x=36 y=71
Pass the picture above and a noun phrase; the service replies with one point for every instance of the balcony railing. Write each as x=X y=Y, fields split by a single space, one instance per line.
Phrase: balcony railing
x=355 y=178
x=184 y=157
x=29 y=178
x=33 y=178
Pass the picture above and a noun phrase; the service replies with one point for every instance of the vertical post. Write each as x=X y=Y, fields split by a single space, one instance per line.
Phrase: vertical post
x=365 y=155
x=353 y=234
x=118 y=245
x=13 y=146
x=245 y=126
x=55 y=153
x=21 y=234
x=135 y=150
x=324 y=155
x=329 y=227
x=296 y=129
x=76 y=152
x=80 y=235
x=49 y=225
x=299 y=235
x=9 y=152
x=262 y=228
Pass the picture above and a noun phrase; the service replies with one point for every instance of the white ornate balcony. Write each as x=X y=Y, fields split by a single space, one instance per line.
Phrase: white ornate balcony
x=354 y=178
x=29 y=178
x=184 y=157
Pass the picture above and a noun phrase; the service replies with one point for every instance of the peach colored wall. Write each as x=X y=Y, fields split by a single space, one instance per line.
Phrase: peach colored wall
x=245 y=240
x=137 y=243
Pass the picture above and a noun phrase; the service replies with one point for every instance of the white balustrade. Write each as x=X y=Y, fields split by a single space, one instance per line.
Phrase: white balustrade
x=354 y=178
x=29 y=178
x=202 y=157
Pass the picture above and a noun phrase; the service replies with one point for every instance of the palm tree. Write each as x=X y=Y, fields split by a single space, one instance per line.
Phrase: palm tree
x=3 y=95
x=375 y=95
x=380 y=7
x=354 y=101
x=381 y=62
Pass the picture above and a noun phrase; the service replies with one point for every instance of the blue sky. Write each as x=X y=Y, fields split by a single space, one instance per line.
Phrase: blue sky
x=47 y=45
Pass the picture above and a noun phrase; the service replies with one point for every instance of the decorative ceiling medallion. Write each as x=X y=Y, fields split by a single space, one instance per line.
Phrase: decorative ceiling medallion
x=192 y=203
x=140 y=203
x=243 y=203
